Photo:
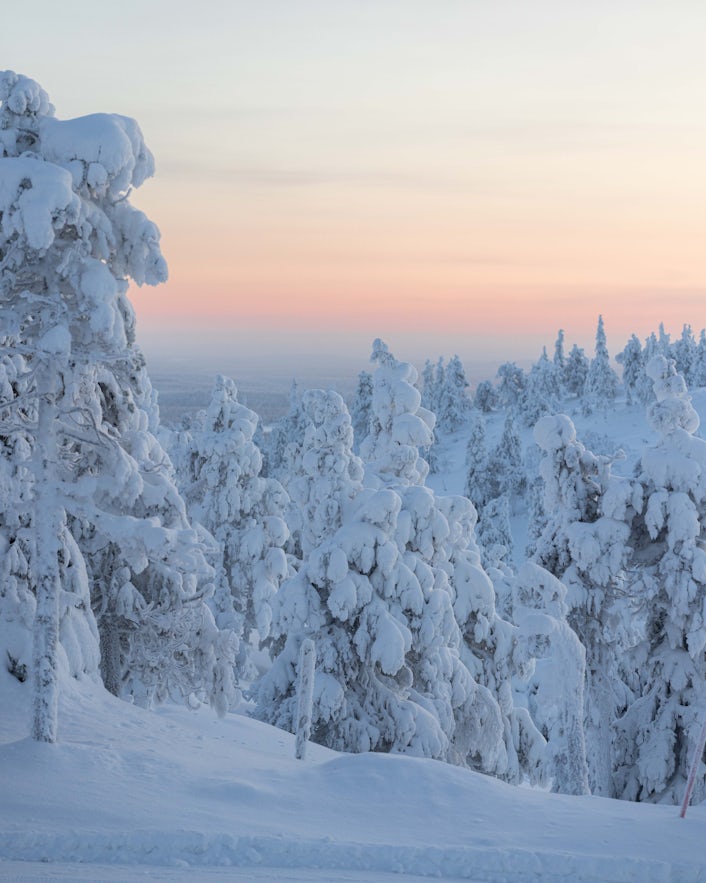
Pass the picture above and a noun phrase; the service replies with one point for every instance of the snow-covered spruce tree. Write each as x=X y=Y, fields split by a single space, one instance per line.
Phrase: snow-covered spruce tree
x=352 y=595
x=477 y=479
x=536 y=516
x=287 y=431
x=441 y=681
x=602 y=384
x=506 y=472
x=683 y=351
x=243 y=511
x=700 y=361
x=328 y=475
x=657 y=735
x=399 y=425
x=664 y=341
x=70 y=240
x=485 y=399
x=494 y=533
x=439 y=381
x=576 y=371
x=76 y=651
x=512 y=385
x=429 y=390
x=492 y=651
x=633 y=368
x=585 y=544
x=643 y=391
x=360 y=408
x=454 y=404
x=556 y=688
x=541 y=392
x=559 y=355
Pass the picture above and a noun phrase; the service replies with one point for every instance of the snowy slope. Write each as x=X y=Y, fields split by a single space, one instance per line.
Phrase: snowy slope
x=179 y=795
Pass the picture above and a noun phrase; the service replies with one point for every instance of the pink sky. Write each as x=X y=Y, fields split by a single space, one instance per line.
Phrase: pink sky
x=470 y=176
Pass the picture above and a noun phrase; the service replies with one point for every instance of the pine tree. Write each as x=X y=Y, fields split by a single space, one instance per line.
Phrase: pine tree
x=242 y=510
x=559 y=357
x=601 y=387
x=354 y=596
x=399 y=425
x=360 y=408
x=104 y=501
x=429 y=387
x=454 y=403
x=633 y=368
x=494 y=533
x=485 y=399
x=541 y=392
x=556 y=688
x=656 y=736
x=585 y=545
x=505 y=466
x=494 y=654
x=477 y=477
x=683 y=351
x=285 y=438
x=512 y=386
x=475 y=714
x=700 y=361
x=576 y=371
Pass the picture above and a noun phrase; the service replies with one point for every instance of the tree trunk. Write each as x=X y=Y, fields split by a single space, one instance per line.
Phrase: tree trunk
x=47 y=519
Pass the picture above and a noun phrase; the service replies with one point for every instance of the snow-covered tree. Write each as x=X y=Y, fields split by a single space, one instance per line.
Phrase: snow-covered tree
x=360 y=408
x=699 y=370
x=506 y=470
x=434 y=536
x=542 y=390
x=494 y=532
x=103 y=499
x=633 y=368
x=329 y=475
x=485 y=399
x=478 y=486
x=684 y=353
x=658 y=733
x=559 y=355
x=601 y=387
x=512 y=385
x=536 y=515
x=399 y=425
x=285 y=438
x=585 y=545
x=454 y=404
x=556 y=688
x=355 y=596
x=576 y=371
x=243 y=511
x=664 y=341
x=430 y=397
x=494 y=654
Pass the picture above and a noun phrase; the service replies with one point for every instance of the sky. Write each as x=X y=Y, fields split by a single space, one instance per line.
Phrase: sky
x=451 y=176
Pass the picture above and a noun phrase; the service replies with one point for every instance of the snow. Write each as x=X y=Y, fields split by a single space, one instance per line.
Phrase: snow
x=178 y=795
x=182 y=795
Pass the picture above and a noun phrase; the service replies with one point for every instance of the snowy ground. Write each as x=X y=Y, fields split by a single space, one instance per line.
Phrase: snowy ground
x=176 y=795
x=173 y=795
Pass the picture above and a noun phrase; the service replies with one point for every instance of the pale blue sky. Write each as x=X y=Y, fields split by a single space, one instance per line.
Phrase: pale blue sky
x=465 y=170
